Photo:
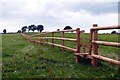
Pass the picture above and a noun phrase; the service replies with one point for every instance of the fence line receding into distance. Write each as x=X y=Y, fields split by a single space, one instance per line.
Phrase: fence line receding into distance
x=92 y=54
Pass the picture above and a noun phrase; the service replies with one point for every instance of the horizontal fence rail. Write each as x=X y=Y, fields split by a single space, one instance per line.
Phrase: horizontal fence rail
x=114 y=44
x=65 y=47
x=58 y=38
x=106 y=27
x=106 y=59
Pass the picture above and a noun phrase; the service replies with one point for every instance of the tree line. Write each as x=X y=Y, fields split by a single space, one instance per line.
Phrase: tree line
x=32 y=27
x=39 y=28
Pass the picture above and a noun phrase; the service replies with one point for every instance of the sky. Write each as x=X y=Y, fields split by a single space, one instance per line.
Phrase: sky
x=56 y=14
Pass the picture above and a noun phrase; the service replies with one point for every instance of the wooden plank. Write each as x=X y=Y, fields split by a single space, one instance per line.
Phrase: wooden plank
x=85 y=55
x=106 y=27
x=114 y=44
x=116 y=62
x=58 y=38
x=70 y=30
x=81 y=53
x=71 y=49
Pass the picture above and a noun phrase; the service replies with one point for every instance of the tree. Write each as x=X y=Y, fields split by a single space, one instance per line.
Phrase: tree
x=40 y=28
x=31 y=27
x=4 y=31
x=67 y=27
x=24 y=29
x=19 y=31
x=58 y=29
x=113 y=32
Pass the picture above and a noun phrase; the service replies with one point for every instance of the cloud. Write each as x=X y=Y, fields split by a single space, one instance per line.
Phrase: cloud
x=54 y=14
x=95 y=8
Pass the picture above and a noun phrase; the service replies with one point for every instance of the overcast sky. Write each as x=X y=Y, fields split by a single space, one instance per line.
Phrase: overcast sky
x=56 y=14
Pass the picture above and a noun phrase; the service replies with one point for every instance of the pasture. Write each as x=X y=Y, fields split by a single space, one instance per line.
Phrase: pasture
x=22 y=59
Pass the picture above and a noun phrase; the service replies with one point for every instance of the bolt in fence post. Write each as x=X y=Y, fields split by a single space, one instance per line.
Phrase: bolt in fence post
x=95 y=46
x=78 y=44
x=52 y=39
x=63 y=39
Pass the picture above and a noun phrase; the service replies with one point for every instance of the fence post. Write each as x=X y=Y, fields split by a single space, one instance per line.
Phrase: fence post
x=83 y=42
x=90 y=42
x=95 y=46
x=46 y=36
x=78 y=44
x=52 y=39
x=40 y=39
x=63 y=40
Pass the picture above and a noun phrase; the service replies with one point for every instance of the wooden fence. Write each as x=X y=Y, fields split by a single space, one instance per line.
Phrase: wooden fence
x=93 y=43
x=77 y=40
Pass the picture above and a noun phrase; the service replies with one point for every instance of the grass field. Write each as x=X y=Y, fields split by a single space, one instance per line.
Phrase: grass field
x=22 y=59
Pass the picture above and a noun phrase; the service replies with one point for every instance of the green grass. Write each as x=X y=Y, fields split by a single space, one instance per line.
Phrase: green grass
x=22 y=59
